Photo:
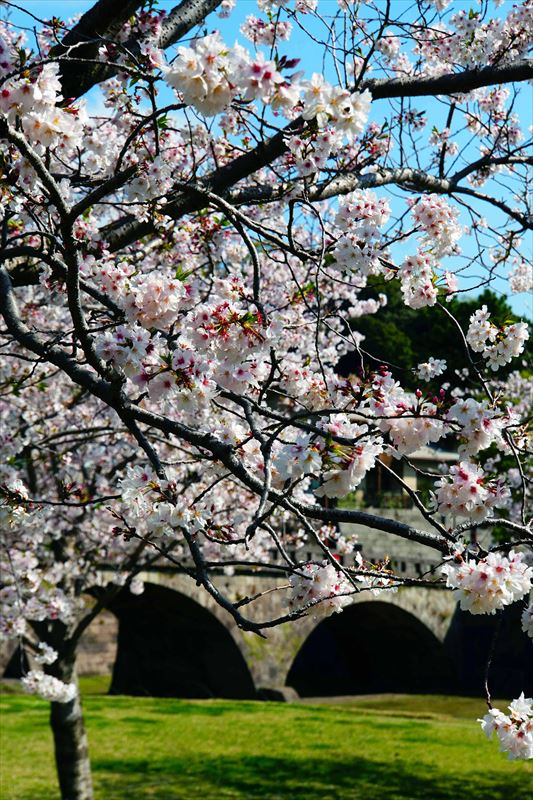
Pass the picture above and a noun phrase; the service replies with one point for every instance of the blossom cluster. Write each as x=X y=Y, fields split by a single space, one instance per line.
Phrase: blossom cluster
x=311 y=152
x=466 y=492
x=440 y=223
x=299 y=458
x=431 y=368
x=153 y=300
x=153 y=179
x=521 y=277
x=30 y=593
x=441 y=141
x=471 y=41
x=45 y=654
x=480 y=425
x=498 y=346
x=418 y=280
x=369 y=306
x=267 y=32
x=514 y=731
x=222 y=343
x=332 y=105
x=127 y=347
x=234 y=337
x=410 y=422
x=210 y=75
x=150 y=501
x=48 y=687
x=29 y=590
x=322 y=585
x=388 y=46
x=487 y=585
x=300 y=6
x=10 y=46
x=360 y=217
x=349 y=465
x=34 y=98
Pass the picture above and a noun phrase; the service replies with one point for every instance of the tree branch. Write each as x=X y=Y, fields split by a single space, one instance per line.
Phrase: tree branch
x=128 y=230
x=105 y=19
x=451 y=83
x=183 y=18
x=103 y=22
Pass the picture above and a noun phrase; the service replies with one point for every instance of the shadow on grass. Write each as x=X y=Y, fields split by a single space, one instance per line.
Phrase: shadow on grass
x=263 y=778
x=190 y=708
x=216 y=708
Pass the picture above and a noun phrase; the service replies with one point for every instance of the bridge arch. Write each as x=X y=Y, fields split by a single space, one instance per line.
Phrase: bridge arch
x=371 y=647
x=171 y=646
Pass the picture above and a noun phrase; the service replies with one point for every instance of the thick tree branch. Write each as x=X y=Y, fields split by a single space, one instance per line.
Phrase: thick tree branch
x=451 y=83
x=123 y=233
x=105 y=19
x=103 y=22
x=183 y=18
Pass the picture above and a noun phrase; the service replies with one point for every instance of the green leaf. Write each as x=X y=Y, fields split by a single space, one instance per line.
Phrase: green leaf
x=181 y=274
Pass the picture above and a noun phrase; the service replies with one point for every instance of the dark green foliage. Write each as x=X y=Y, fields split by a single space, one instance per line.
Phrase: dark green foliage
x=404 y=337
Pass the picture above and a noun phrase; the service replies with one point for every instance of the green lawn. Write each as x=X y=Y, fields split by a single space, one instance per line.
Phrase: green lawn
x=372 y=748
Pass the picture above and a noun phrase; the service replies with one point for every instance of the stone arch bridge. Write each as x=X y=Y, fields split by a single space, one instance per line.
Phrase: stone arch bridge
x=200 y=651
x=174 y=640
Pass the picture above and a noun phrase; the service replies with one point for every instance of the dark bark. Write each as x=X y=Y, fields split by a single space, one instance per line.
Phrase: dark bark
x=103 y=21
x=70 y=740
x=183 y=18
x=450 y=83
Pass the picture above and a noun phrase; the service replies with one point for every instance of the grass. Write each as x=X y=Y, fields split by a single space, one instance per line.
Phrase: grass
x=385 y=747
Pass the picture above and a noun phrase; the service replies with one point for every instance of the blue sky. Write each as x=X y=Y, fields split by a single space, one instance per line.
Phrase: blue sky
x=299 y=46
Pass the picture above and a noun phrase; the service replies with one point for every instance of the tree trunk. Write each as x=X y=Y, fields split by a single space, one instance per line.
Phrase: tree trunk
x=71 y=744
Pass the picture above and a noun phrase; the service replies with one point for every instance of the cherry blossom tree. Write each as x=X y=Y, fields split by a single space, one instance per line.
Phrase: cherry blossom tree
x=190 y=218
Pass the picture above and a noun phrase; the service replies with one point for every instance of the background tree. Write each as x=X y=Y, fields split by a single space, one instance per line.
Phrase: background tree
x=401 y=336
